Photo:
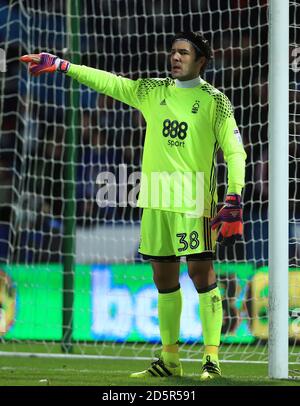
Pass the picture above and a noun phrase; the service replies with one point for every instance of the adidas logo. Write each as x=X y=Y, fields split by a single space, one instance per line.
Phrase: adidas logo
x=163 y=102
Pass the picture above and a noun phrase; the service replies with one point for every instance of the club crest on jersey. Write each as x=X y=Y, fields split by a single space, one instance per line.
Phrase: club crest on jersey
x=195 y=107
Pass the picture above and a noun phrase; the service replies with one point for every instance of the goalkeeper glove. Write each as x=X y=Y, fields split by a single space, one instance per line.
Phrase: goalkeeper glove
x=230 y=220
x=44 y=62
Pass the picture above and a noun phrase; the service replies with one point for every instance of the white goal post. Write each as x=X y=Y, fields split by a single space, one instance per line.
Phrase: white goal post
x=278 y=189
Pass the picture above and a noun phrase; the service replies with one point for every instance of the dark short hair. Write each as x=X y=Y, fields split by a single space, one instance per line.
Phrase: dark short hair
x=199 y=43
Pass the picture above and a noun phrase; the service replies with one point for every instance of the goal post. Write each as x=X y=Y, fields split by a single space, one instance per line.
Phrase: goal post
x=278 y=189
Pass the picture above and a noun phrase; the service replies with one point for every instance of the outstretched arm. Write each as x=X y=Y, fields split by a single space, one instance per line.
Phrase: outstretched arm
x=123 y=89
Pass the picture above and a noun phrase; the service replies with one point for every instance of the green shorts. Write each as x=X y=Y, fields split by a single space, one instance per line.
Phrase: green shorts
x=166 y=233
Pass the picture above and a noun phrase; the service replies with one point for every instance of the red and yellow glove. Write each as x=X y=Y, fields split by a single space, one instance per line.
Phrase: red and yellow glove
x=230 y=221
x=44 y=62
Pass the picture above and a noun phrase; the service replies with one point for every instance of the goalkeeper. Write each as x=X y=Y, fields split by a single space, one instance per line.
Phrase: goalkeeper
x=188 y=120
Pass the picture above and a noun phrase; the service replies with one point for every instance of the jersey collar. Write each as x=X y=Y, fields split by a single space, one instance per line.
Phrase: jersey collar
x=188 y=83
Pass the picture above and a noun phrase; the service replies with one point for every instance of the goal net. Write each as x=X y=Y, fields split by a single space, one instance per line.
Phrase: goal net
x=115 y=302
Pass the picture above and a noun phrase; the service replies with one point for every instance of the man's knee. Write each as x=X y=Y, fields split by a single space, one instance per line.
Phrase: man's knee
x=165 y=275
x=201 y=273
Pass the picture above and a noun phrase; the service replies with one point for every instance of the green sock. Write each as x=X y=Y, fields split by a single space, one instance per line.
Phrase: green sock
x=169 y=312
x=211 y=315
x=170 y=358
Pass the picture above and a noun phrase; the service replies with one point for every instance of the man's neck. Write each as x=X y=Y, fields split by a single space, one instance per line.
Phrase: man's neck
x=188 y=83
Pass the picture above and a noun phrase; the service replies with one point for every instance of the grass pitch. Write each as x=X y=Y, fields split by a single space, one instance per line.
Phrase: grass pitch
x=33 y=371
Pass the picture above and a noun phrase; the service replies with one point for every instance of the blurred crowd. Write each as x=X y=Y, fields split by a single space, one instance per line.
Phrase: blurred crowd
x=131 y=38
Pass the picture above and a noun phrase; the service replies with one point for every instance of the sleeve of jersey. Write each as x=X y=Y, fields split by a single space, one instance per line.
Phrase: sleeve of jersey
x=230 y=141
x=119 y=88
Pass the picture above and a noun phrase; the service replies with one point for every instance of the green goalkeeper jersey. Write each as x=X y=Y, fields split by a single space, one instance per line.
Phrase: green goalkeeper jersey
x=185 y=129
